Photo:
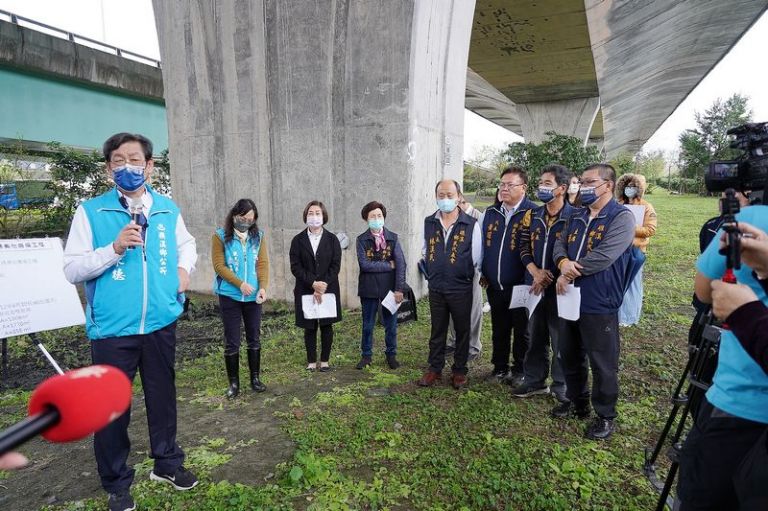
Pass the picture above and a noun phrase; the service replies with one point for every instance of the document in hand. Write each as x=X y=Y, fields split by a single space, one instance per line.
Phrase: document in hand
x=569 y=304
x=522 y=297
x=314 y=310
x=638 y=212
x=390 y=303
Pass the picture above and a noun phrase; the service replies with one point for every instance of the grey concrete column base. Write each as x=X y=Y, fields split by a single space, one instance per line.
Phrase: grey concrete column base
x=288 y=101
x=572 y=117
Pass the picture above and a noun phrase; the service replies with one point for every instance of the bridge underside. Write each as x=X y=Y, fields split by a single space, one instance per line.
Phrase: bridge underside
x=638 y=60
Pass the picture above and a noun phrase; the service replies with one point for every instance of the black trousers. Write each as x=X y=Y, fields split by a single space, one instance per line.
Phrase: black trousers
x=505 y=321
x=233 y=313
x=154 y=356
x=544 y=327
x=326 y=341
x=593 y=341
x=711 y=455
x=443 y=307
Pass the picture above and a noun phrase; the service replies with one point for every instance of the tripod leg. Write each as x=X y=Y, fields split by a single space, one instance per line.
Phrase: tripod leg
x=676 y=402
x=662 y=503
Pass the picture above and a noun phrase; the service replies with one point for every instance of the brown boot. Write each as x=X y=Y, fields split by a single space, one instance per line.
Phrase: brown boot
x=429 y=379
x=459 y=381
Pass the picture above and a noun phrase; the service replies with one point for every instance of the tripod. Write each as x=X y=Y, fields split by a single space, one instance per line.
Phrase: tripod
x=698 y=372
x=702 y=361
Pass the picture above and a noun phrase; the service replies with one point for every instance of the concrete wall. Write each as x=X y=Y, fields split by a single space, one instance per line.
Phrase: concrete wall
x=40 y=108
x=30 y=50
x=337 y=100
x=57 y=90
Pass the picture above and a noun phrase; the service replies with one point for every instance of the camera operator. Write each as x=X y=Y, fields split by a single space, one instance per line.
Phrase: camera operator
x=735 y=412
x=739 y=306
x=706 y=234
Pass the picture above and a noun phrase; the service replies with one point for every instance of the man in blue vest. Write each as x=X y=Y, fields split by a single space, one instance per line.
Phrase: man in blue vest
x=133 y=253
x=502 y=269
x=594 y=256
x=734 y=412
x=451 y=254
x=541 y=228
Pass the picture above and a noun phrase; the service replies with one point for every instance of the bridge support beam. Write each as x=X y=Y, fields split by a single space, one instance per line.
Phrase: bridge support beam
x=336 y=100
x=572 y=117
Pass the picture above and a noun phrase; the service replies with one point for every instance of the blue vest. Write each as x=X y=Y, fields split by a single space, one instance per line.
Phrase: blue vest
x=740 y=385
x=138 y=295
x=242 y=262
x=449 y=265
x=601 y=292
x=501 y=264
x=543 y=237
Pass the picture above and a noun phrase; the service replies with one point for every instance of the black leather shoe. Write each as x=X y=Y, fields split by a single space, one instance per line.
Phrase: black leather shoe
x=392 y=361
x=600 y=429
x=568 y=409
x=364 y=362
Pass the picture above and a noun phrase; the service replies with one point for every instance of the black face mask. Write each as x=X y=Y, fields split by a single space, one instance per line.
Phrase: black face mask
x=242 y=226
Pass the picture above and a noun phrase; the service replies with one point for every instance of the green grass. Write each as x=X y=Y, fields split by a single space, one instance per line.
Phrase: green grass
x=373 y=440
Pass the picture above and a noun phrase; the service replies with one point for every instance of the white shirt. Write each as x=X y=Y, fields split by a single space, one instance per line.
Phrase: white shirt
x=509 y=212
x=314 y=240
x=83 y=263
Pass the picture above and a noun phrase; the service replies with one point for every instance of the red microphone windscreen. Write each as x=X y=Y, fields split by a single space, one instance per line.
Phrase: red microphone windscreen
x=87 y=399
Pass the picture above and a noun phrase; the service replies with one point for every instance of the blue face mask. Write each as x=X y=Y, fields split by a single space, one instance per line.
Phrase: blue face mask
x=376 y=223
x=446 y=205
x=129 y=178
x=545 y=194
x=587 y=195
x=630 y=191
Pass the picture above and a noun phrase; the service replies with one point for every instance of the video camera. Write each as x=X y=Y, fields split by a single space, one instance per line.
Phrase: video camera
x=750 y=170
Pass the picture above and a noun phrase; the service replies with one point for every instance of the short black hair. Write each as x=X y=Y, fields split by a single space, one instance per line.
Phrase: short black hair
x=605 y=170
x=370 y=207
x=458 y=186
x=119 y=139
x=514 y=169
x=322 y=208
x=241 y=207
x=562 y=173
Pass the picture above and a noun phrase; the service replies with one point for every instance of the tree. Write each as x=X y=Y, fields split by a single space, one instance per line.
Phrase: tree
x=624 y=163
x=709 y=141
x=75 y=177
x=652 y=165
x=562 y=149
x=161 y=175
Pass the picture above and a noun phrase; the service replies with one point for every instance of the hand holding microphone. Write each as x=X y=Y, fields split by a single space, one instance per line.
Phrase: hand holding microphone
x=71 y=406
x=129 y=237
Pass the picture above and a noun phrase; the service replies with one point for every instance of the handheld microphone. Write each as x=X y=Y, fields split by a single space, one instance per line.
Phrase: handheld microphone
x=71 y=406
x=135 y=208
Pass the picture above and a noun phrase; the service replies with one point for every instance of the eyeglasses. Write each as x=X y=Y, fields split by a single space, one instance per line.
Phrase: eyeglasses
x=131 y=161
x=509 y=186
x=592 y=182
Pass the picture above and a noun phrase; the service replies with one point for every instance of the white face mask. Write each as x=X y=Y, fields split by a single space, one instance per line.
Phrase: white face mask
x=573 y=188
x=314 y=221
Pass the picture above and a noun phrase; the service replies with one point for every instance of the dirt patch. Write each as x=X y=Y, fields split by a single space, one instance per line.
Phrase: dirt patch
x=254 y=437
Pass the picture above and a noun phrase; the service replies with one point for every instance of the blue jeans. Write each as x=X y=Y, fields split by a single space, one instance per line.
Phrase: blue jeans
x=632 y=305
x=370 y=308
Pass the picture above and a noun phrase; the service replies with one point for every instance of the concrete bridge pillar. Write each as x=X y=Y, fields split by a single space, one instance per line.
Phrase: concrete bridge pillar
x=567 y=117
x=336 y=100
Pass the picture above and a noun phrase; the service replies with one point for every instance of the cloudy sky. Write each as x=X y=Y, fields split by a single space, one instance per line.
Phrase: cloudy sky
x=130 y=25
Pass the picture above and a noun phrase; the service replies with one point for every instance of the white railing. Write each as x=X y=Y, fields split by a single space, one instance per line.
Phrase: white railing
x=75 y=38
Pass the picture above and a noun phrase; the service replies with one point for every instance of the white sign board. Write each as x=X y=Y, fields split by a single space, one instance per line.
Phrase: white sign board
x=35 y=295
